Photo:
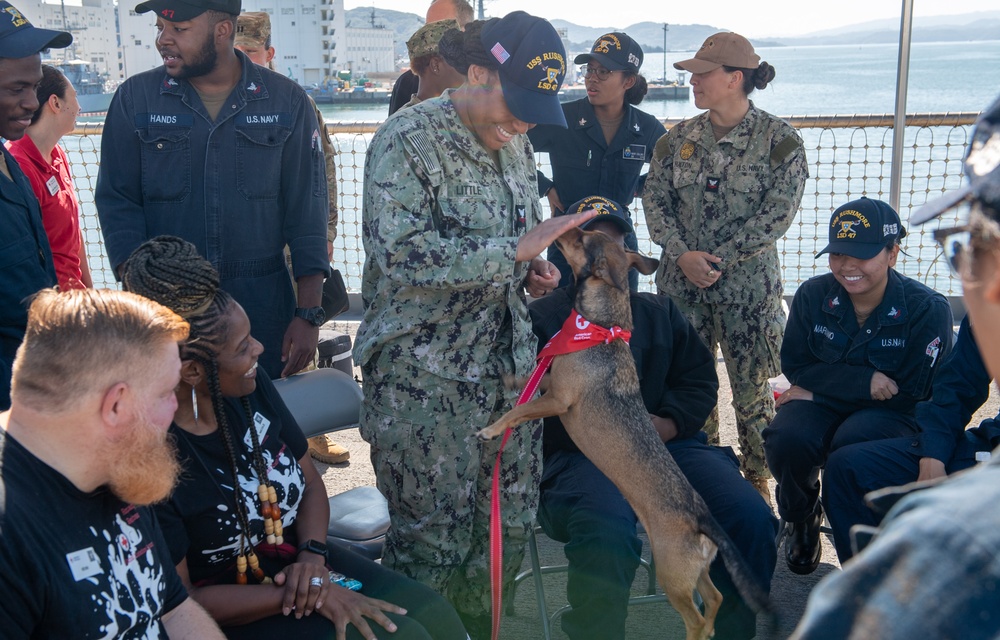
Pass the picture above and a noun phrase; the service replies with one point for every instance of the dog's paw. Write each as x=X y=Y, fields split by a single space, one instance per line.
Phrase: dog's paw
x=484 y=435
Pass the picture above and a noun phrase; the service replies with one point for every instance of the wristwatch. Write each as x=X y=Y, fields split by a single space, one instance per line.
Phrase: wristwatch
x=313 y=546
x=313 y=315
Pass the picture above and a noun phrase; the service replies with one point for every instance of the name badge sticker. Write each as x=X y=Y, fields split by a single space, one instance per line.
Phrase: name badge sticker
x=635 y=152
x=260 y=423
x=52 y=185
x=84 y=563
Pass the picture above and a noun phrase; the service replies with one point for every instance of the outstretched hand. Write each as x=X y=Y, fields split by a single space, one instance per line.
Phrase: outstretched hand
x=533 y=243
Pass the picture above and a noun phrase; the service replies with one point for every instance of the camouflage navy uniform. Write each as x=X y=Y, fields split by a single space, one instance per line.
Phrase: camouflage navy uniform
x=733 y=198
x=445 y=320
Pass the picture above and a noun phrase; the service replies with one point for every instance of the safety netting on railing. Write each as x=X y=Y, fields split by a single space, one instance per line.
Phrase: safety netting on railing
x=849 y=157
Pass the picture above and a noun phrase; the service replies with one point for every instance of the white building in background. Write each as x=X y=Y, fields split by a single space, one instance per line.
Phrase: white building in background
x=92 y=23
x=369 y=50
x=138 y=39
x=309 y=36
x=305 y=36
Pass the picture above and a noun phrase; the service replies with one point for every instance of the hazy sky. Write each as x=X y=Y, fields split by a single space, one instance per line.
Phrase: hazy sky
x=751 y=18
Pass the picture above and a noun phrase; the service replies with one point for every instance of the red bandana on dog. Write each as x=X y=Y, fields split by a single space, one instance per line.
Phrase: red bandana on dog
x=578 y=333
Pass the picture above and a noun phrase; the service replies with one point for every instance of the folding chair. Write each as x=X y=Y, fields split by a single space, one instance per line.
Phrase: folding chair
x=326 y=400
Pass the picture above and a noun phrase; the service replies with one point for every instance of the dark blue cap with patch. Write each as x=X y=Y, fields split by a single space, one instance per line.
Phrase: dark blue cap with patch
x=532 y=63
x=982 y=169
x=20 y=39
x=862 y=228
x=616 y=51
x=608 y=211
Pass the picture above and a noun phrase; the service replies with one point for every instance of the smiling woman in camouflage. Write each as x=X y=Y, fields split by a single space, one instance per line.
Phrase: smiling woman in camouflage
x=722 y=188
x=452 y=230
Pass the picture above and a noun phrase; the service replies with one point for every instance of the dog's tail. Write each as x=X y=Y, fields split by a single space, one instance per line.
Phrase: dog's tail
x=752 y=592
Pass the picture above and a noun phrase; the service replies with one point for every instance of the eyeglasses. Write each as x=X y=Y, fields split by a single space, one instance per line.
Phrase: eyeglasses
x=954 y=243
x=602 y=73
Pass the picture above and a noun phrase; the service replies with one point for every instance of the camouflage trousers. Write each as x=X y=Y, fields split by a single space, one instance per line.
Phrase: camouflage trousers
x=436 y=476
x=750 y=339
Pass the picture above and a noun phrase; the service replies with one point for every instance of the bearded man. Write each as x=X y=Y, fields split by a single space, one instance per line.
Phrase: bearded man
x=226 y=155
x=83 y=449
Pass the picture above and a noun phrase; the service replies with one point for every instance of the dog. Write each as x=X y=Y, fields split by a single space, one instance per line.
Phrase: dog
x=595 y=393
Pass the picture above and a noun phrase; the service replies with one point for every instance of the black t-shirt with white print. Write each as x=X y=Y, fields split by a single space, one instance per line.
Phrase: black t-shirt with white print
x=199 y=521
x=75 y=564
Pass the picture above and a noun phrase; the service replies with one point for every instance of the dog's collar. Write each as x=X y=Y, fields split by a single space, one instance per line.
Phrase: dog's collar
x=578 y=333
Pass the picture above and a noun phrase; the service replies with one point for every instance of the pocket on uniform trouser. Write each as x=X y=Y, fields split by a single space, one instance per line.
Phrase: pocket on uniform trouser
x=768 y=344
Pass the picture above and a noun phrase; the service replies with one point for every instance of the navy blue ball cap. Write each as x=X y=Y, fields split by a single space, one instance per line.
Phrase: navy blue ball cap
x=607 y=210
x=615 y=51
x=184 y=10
x=20 y=39
x=862 y=228
x=532 y=63
x=982 y=168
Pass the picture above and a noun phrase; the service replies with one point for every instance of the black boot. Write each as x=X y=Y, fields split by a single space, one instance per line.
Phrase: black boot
x=802 y=548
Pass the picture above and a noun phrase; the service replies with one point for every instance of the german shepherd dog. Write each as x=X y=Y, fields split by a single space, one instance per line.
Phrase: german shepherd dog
x=595 y=393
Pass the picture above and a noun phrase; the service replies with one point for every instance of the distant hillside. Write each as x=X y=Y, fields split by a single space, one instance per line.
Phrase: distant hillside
x=400 y=23
x=983 y=25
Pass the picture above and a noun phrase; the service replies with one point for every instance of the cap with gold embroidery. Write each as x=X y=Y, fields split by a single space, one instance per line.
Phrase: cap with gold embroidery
x=608 y=211
x=20 y=39
x=616 y=51
x=862 y=228
x=532 y=63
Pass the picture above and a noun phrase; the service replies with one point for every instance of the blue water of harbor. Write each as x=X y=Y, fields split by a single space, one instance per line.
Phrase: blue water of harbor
x=827 y=80
x=810 y=80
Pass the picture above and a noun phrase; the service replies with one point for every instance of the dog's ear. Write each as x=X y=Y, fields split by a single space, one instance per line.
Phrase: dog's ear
x=617 y=278
x=642 y=264
x=573 y=235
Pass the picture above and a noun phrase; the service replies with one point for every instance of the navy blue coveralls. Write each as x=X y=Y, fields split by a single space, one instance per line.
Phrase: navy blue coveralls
x=25 y=264
x=824 y=351
x=960 y=388
x=583 y=164
x=581 y=507
x=239 y=188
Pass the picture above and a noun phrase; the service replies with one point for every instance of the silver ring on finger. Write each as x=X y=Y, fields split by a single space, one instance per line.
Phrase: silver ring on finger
x=316 y=581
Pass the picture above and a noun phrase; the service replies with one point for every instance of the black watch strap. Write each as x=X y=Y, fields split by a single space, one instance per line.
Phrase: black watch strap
x=313 y=315
x=313 y=546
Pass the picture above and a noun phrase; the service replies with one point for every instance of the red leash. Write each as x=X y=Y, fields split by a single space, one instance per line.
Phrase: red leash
x=577 y=334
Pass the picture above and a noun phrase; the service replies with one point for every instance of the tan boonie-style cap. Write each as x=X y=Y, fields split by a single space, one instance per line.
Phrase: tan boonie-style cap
x=425 y=41
x=722 y=49
x=253 y=29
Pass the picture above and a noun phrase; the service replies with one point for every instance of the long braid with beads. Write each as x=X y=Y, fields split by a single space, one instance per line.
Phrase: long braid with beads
x=170 y=271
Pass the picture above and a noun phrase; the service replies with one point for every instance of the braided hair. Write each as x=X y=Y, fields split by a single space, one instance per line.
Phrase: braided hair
x=170 y=271
x=463 y=48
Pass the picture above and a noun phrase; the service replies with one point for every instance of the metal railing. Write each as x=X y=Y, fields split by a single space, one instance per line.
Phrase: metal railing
x=849 y=156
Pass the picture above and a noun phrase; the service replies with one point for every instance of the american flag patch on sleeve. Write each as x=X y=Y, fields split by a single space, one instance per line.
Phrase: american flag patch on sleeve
x=500 y=53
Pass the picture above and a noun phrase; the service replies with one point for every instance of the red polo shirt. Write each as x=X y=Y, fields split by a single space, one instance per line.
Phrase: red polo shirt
x=52 y=183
